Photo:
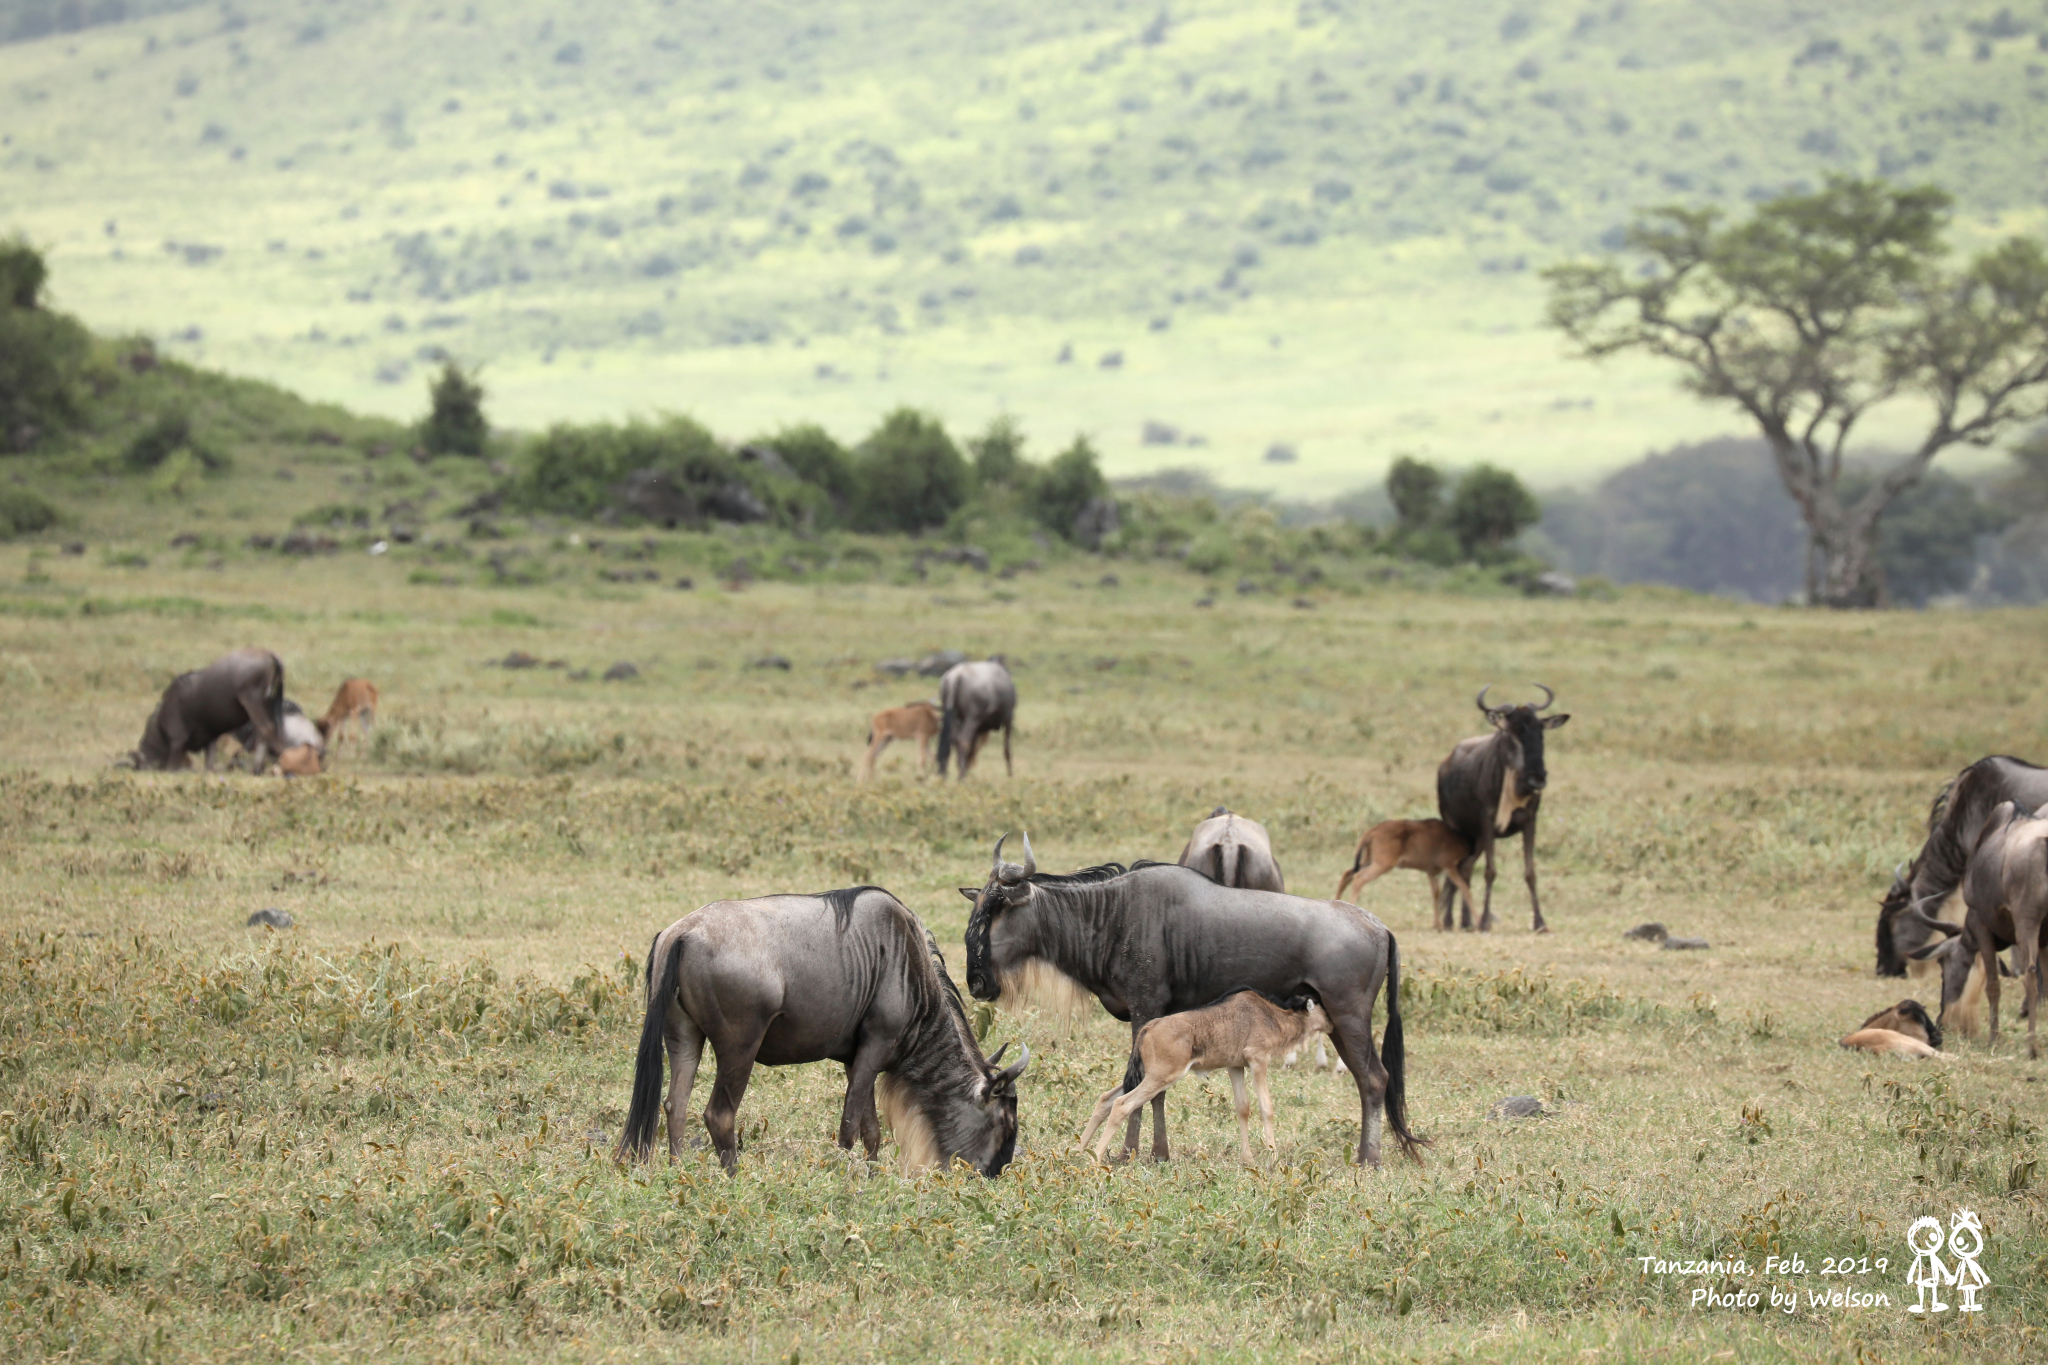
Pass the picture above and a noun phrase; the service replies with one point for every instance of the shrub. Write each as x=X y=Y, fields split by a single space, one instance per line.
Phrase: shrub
x=1065 y=486
x=1416 y=489
x=1488 y=510
x=910 y=475
x=41 y=353
x=580 y=470
x=23 y=513
x=455 y=423
x=817 y=459
x=167 y=434
x=998 y=454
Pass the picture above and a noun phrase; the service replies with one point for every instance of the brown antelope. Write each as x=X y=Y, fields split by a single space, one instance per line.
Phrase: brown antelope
x=355 y=700
x=1419 y=846
x=918 y=720
x=1245 y=1030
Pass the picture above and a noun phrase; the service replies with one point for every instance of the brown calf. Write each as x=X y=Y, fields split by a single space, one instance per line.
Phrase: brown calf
x=1419 y=846
x=1245 y=1030
x=918 y=720
x=1886 y=1043
x=1908 y=1017
x=355 y=700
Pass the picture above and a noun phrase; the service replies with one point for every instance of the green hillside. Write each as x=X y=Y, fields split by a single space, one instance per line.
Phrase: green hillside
x=1305 y=225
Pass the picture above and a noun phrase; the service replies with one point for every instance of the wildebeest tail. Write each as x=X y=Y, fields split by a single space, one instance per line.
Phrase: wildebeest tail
x=277 y=706
x=1134 y=1074
x=1393 y=1055
x=638 y=1139
x=945 y=730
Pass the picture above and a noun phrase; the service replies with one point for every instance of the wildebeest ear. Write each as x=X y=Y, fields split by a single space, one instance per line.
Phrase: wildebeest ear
x=1552 y=722
x=972 y=893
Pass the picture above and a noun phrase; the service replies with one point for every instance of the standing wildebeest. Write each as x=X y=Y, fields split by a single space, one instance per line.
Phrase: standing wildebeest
x=1242 y=1032
x=242 y=688
x=973 y=700
x=1953 y=823
x=1231 y=850
x=1490 y=787
x=850 y=976
x=1158 y=938
x=918 y=720
x=1429 y=846
x=2005 y=892
x=355 y=700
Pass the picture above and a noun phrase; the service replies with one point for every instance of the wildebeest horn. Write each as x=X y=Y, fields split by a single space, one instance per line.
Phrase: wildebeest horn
x=1548 y=698
x=999 y=1054
x=1030 y=860
x=1011 y=1072
x=1481 y=699
x=1927 y=921
x=1009 y=874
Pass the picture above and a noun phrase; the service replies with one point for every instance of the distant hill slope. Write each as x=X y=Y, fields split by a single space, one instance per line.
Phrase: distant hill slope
x=1308 y=225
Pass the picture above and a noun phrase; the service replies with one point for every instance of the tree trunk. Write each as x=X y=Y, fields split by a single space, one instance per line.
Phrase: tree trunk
x=1842 y=567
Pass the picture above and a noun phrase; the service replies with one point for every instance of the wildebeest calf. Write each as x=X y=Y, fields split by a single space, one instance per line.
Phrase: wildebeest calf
x=1245 y=1030
x=355 y=700
x=1429 y=846
x=1908 y=1017
x=918 y=720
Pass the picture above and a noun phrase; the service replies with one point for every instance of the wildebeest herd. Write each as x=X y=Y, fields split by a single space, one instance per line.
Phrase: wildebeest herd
x=1212 y=963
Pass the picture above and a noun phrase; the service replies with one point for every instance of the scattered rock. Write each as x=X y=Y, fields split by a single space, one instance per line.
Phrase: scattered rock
x=519 y=658
x=1676 y=944
x=74 y=547
x=1518 y=1107
x=1097 y=520
x=183 y=539
x=1109 y=580
x=1553 y=583
x=896 y=668
x=1103 y=665
x=579 y=675
x=1304 y=604
x=934 y=665
x=256 y=541
x=620 y=672
x=557 y=663
x=630 y=575
x=771 y=661
x=1245 y=587
x=275 y=918
x=1652 y=932
x=684 y=584
x=1209 y=601
x=301 y=543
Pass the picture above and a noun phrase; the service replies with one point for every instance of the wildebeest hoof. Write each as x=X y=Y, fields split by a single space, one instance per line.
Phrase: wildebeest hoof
x=1652 y=932
x=1518 y=1107
x=1675 y=943
x=275 y=918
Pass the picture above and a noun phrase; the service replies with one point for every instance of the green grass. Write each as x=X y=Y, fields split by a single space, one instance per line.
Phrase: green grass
x=386 y=1130
x=1332 y=212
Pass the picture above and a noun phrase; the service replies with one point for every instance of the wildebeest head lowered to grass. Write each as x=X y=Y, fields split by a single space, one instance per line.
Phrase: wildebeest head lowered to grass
x=1158 y=938
x=848 y=976
x=1490 y=787
x=1235 y=851
x=1932 y=883
x=975 y=700
x=242 y=688
x=2005 y=890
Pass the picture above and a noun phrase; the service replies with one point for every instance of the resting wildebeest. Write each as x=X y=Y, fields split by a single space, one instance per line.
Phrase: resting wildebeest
x=848 y=976
x=2005 y=893
x=1158 y=938
x=1231 y=850
x=242 y=688
x=1954 y=821
x=1492 y=786
x=973 y=700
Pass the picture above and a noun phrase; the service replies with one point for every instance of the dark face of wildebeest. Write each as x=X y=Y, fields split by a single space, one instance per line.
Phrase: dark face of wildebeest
x=1002 y=934
x=1521 y=728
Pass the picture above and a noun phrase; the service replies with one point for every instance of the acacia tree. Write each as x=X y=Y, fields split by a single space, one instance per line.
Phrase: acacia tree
x=1814 y=311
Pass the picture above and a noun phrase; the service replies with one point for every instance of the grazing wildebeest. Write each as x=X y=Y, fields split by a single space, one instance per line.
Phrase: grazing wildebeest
x=848 y=976
x=355 y=700
x=1243 y=1031
x=1231 y=850
x=1429 y=846
x=1159 y=938
x=1491 y=787
x=242 y=688
x=1954 y=821
x=2005 y=896
x=918 y=720
x=975 y=699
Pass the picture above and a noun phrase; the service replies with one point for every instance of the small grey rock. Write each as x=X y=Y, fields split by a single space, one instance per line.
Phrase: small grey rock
x=771 y=661
x=896 y=668
x=1553 y=583
x=1518 y=1107
x=519 y=658
x=620 y=672
x=275 y=918
x=1652 y=932
x=1675 y=944
x=684 y=584
x=1109 y=580
x=935 y=665
x=578 y=675
x=1205 y=601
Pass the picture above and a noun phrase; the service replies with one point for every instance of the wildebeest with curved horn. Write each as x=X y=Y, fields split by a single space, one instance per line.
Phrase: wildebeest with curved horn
x=1158 y=938
x=975 y=699
x=2005 y=887
x=1491 y=787
x=848 y=976
x=242 y=688
x=1231 y=850
x=1954 y=821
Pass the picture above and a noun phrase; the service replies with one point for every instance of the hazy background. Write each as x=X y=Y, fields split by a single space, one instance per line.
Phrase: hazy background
x=1312 y=226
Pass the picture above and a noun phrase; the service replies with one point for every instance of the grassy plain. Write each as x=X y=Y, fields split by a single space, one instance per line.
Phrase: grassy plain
x=384 y=1132
x=1311 y=224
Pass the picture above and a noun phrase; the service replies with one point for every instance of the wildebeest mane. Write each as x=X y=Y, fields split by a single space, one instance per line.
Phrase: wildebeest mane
x=842 y=902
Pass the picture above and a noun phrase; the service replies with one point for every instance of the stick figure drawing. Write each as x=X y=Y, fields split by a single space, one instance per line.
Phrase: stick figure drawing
x=1966 y=1244
x=1928 y=1274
